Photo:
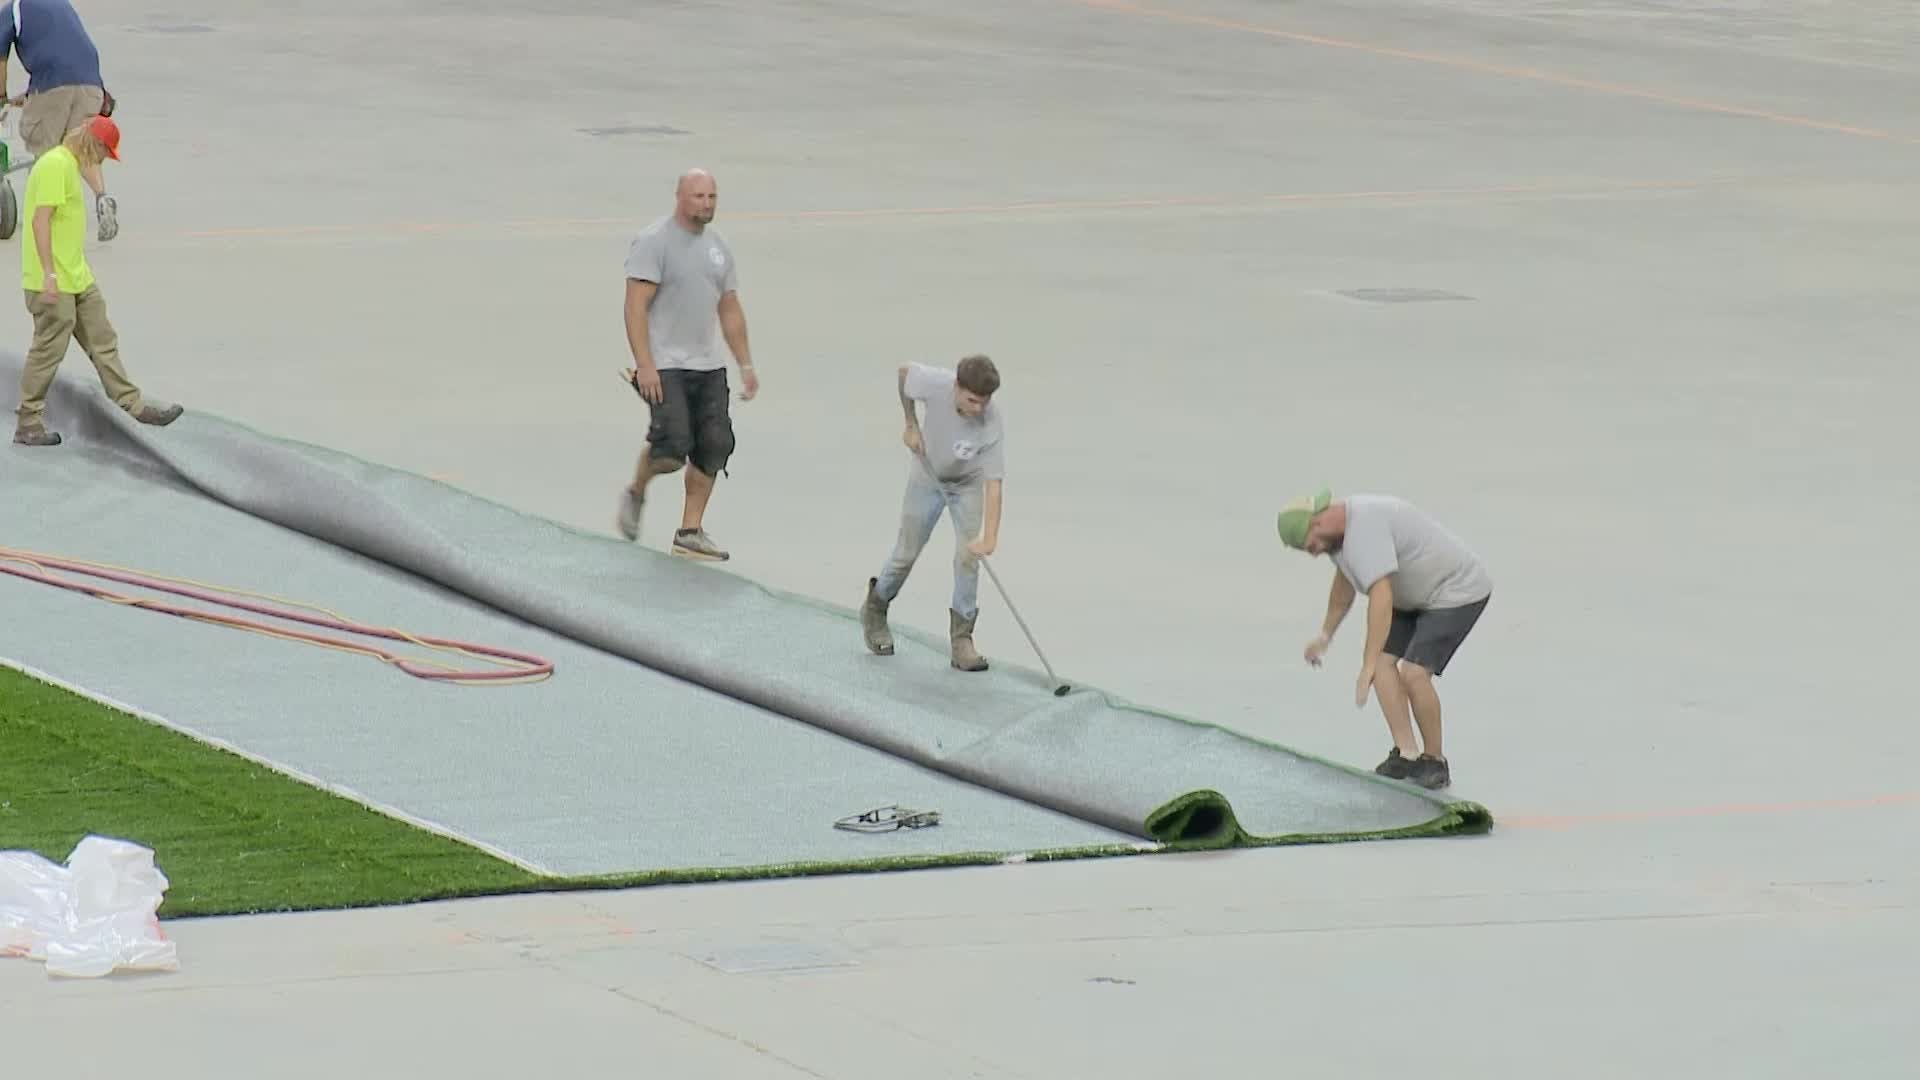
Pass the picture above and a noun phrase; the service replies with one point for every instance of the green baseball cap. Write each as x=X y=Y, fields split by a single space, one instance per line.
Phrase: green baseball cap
x=1296 y=515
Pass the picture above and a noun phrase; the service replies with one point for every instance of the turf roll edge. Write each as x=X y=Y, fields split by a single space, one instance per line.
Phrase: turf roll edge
x=1140 y=771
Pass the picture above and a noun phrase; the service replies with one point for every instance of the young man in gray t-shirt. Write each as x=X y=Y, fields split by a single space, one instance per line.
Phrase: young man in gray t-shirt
x=682 y=299
x=1425 y=589
x=960 y=460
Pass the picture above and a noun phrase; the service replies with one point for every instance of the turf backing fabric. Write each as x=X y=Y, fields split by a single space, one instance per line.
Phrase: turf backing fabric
x=666 y=736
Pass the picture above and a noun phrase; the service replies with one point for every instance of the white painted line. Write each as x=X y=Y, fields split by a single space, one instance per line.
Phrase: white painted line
x=312 y=781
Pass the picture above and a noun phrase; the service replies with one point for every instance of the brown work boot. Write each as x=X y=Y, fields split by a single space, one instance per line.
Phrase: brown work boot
x=964 y=656
x=873 y=621
x=158 y=417
x=35 y=436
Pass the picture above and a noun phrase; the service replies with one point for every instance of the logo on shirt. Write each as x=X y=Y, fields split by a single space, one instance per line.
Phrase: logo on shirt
x=964 y=450
x=713 y=253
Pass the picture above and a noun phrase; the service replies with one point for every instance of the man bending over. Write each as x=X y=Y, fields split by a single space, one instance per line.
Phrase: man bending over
x=1424 y=591
x=961 y=442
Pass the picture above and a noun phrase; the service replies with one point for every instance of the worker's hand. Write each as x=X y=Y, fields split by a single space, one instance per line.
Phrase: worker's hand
x=749 y=384
x=50 y=289
x=912 y=438
x=982 y=547
x=1317 y=650
x=1361 y=687
x=647 y=381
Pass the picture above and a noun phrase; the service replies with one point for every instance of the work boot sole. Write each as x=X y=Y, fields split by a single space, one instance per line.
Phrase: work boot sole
x=683 y=553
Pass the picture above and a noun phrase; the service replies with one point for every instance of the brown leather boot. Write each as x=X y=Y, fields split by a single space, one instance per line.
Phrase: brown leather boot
x=873 y=621
x=36 y=436
x=964 y=656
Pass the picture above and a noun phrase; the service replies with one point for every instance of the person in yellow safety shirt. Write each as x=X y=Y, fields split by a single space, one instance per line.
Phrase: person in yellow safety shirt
x=62 y=296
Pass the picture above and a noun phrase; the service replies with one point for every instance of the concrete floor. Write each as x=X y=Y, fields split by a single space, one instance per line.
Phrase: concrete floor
x=1676 y=391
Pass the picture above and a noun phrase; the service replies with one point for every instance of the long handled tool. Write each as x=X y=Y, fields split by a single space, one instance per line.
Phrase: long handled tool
x=1060 y=689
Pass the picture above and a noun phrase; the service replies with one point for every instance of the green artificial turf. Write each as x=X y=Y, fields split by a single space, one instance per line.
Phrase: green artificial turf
x=235 y=837
x=230 y=835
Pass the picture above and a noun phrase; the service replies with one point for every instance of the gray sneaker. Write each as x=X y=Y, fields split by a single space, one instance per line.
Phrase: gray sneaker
x=628 y=520
x=696 y=544
x=109 y=212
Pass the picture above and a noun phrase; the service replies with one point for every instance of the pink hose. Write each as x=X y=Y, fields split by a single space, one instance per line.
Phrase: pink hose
x=535 y=667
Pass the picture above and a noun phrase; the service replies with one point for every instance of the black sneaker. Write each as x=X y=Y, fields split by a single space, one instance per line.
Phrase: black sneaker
x=1395 y=767
x=1430 y=772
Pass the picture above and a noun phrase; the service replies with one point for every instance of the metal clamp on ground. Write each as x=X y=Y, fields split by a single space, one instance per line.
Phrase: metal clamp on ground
x=887 y=819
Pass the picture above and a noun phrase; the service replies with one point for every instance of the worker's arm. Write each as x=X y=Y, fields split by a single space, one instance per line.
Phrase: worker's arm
x=1339 y=602
x=639 y=295
x=43 y=243
x=1379 y=618
x=912 y=435
x=906 y=403
x=1379 y=621
x=643 y=374
x=733 y=326
x=9 y=41
x=989 y=538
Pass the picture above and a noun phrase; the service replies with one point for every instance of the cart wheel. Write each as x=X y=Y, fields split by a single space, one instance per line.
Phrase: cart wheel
x=9 y=211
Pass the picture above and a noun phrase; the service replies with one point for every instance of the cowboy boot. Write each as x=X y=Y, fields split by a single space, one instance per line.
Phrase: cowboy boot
x=873 y=621
x=964 y=656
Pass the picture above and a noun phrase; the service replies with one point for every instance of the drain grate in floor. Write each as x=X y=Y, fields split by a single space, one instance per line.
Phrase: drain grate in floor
x=1400 y=295
x=633 y=129
x=771 y=957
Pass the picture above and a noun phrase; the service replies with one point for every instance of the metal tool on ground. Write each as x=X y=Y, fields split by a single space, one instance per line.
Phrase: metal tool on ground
x=888 y=819
x=1060 y=689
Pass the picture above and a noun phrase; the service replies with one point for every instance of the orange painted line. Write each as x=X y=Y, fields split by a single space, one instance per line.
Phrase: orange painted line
x=1723 y=810
x=1485 y=68
x=1034 y=206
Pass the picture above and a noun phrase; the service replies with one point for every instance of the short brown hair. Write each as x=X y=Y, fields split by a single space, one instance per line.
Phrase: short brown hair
x=978 y=375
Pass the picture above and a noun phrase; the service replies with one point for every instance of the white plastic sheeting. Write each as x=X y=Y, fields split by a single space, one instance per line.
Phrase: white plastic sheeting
x=92 y=917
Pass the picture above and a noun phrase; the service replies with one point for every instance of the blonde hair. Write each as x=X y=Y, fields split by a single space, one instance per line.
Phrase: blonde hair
x=86 y=146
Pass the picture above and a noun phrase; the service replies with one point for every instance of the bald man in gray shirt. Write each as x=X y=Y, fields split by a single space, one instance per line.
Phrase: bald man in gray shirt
x=1425 y=589
x=683 y=301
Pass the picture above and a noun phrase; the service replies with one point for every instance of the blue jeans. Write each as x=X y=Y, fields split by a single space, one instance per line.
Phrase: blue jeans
x=919 y=513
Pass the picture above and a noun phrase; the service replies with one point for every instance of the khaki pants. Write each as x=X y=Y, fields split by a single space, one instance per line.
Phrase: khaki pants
x=81 y=318
x=49 y=114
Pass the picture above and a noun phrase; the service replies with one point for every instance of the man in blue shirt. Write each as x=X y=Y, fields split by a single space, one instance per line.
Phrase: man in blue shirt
x=64 y=87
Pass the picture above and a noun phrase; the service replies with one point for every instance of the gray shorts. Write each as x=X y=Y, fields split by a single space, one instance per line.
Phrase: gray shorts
x=1428 y=638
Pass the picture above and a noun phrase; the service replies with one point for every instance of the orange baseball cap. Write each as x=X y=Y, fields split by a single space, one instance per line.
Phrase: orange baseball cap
x=108 y=132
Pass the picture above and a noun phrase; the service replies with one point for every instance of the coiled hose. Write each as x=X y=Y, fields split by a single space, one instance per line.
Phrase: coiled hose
x=516 y=667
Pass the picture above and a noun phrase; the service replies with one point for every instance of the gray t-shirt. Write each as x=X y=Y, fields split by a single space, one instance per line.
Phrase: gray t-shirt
x=960 y=449
x=693 y=271
x=1431 y=567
